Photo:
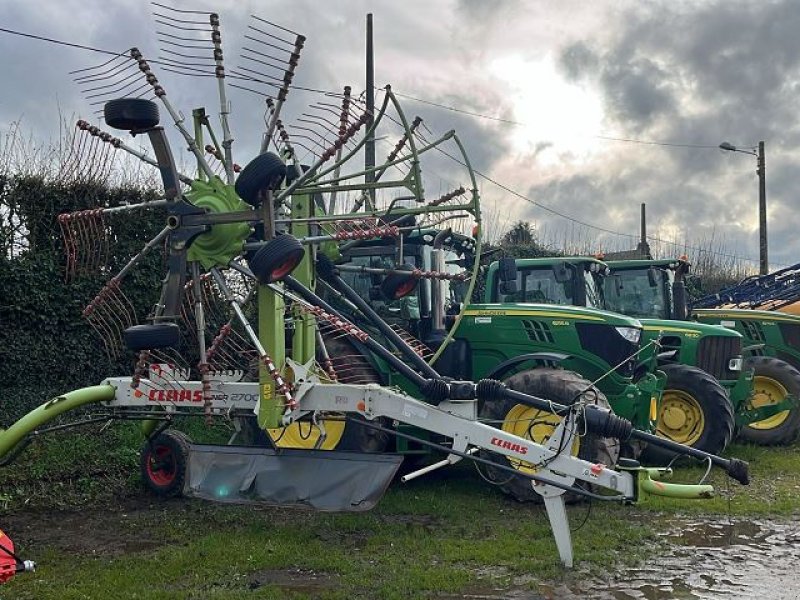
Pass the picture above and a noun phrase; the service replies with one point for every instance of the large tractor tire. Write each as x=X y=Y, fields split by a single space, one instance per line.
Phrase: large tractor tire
x=341 y=434
x=562 y=387
x=694 y=411
x=773 y=381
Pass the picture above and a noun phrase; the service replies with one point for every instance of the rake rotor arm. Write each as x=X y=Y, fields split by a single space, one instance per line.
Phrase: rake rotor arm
x=327 y=270
x=311 y=298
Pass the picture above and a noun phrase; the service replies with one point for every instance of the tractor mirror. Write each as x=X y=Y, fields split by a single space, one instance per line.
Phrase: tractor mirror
x=562 y=272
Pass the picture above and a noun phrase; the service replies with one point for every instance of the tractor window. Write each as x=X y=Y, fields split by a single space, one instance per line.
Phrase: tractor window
x=540 y=285
x=400 y=311
x=633 y=293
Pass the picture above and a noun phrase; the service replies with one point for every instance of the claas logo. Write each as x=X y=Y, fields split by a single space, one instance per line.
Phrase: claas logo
x=500 y=443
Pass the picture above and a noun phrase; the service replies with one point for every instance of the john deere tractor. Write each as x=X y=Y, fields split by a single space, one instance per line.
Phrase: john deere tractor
x=702 y=364
x=532 y=347
x=770 y=414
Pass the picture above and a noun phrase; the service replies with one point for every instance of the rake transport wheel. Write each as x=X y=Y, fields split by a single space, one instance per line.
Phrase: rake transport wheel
x=562 y=387
x=163 y=462
x=694 y=410
x=264 y=172
x=341 y=435
x=131 y=113
x=773 y=381
x=277 y=258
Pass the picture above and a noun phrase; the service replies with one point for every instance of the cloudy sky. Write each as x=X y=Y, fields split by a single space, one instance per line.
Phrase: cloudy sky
x=538 y=88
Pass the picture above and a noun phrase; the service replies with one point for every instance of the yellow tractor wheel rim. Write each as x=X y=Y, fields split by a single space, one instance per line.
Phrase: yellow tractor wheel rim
x=305 y=435
x=680 y=418
x=767 y=391
x=535 y=425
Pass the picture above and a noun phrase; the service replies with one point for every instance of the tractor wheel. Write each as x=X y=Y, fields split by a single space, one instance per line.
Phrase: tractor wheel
x=277 y=258
x=163 y=462
x=151 y=337
x=131 y=114
x=773 y=381
x=694 y=411
x=265 y=171
x=397 y=285
x=341 y=434
x=562 y=387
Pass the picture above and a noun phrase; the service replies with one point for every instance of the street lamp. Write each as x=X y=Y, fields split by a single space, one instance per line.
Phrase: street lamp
x=762 y=200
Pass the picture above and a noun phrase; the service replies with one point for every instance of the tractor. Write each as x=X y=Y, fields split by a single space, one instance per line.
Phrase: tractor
x=770 y=414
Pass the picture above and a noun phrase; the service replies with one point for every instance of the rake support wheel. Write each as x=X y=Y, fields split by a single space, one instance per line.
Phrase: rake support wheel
x=265 y=171
x=131 y=114
x=277 y=258
x=151 y=337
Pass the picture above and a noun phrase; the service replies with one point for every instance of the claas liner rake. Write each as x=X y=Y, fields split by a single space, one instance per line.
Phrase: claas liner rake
x=239 y=331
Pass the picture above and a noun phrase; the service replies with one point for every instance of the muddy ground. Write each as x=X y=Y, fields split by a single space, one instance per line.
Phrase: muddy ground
x=706 y=557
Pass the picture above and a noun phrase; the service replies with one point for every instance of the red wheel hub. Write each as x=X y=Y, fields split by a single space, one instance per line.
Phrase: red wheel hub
x=161 y=465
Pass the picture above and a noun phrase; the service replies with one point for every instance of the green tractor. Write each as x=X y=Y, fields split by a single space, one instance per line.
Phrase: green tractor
x=547 y=350
x=770 y=414
x=702 y=363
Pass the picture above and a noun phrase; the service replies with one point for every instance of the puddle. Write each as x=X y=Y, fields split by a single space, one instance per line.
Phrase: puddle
x=708 y=559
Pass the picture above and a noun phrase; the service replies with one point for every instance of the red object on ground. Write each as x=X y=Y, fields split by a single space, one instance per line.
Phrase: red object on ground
x=8 y=564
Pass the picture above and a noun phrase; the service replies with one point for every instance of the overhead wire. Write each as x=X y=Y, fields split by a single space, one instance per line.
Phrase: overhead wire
x=465 y=112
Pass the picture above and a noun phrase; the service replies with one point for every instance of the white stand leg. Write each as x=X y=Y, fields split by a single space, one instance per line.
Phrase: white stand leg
x=557 y=513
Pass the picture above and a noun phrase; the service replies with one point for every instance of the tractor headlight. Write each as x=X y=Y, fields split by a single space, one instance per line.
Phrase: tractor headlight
x=632 y=334
x=735 y=364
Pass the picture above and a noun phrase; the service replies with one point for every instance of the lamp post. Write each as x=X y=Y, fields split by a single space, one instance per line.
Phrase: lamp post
x=762 y=200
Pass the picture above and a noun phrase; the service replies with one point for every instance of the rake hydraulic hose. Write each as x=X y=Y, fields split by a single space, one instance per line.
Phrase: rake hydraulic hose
x=607 y=424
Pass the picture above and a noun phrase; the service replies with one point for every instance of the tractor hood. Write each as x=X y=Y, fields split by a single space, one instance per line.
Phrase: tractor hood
x=744 y=314
x=551 y=311
x=687 y=328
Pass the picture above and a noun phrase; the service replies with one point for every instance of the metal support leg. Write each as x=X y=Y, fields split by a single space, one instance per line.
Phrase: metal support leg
x=557 y=513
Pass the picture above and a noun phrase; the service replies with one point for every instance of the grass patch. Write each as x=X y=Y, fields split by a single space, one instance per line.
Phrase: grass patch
x=442 y=535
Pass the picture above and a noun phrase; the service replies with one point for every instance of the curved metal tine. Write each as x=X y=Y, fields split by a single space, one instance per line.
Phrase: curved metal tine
x=234 y=74
x=105 y=75
x=314 y=129
x=128 y=95
x=192 y=56
x=187 y=72
x=110 y=346
x=243 y=68
x=206 y=29
x=204 y=46
x=258 y=73
x=267 y=44
x=171 y=19
x=180 y=10
x=275 y=25
x=133 y=76
x=247 y=89
x=133 y=80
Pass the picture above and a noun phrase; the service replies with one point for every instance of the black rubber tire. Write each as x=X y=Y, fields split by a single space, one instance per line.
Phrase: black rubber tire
x=163 y=463
x=397 y=285
x=152 y=337
x=789 y=377
x=713 y=401
x=358 y=438
x=131 y=114
x=562 y=387
x=265 y=171
x=277 y=258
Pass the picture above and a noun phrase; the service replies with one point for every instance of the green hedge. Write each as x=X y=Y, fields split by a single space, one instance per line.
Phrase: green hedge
x=46 y=347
